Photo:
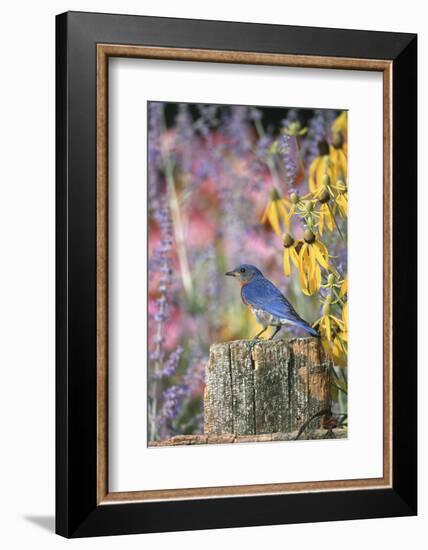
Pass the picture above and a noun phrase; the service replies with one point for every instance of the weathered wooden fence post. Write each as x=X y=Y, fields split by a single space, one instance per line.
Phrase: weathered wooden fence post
x=265 y=386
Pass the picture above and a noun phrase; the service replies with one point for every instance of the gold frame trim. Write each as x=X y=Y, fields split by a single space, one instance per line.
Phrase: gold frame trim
x=104 y=51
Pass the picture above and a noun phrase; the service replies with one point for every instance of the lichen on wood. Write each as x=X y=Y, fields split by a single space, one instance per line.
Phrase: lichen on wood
x=266 y=386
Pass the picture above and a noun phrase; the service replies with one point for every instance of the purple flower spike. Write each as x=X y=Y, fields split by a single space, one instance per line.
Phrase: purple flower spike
x=155 y=116
x=173 y=398
x=171 y=365
x=288 y=149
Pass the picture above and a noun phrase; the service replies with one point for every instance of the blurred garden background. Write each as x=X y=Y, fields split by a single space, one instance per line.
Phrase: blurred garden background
x=230 y=185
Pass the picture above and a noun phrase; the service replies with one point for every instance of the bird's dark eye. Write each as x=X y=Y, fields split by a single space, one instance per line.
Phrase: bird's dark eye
x=242 y=270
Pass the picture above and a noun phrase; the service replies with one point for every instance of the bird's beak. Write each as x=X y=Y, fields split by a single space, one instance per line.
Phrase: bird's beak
x=231 y=273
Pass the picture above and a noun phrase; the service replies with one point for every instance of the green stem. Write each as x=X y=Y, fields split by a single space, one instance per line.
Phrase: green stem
x=337 y=296
x=335 y=223
x=269 y=160
x=339 y=388
x=177 y=223
x=178 y=230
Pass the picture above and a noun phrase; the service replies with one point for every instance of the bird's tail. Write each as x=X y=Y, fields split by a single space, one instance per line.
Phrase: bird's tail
x=304 y=325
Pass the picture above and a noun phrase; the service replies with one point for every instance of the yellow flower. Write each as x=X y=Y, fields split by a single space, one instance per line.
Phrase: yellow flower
x=290 y=253
x=328 y=324
x=326 y=171
x=312 y=256
x=326 y=218
x=327 y=181
x=333 y=282
x=340 y=342
x=340 y=125
x=306 y=208
x=340 y=163
x=334 y=332
x=275 y=211
x=337 y=350
x=300 y=205
x=342 y=201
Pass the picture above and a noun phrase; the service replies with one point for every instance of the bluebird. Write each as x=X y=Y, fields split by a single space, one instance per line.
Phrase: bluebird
x=266 y=301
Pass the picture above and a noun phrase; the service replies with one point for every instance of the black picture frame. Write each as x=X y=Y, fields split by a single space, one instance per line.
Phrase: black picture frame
x=77 y=511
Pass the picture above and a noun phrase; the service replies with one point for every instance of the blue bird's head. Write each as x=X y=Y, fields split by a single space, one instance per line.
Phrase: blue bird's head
x=245 y=273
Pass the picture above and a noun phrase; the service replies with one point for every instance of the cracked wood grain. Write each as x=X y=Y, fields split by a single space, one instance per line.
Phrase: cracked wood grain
x=264 y=387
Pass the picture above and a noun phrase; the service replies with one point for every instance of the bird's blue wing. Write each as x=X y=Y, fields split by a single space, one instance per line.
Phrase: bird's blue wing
x=260 y=293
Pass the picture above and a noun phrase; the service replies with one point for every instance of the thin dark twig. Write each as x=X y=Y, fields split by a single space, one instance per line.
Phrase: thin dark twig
x=306 y=424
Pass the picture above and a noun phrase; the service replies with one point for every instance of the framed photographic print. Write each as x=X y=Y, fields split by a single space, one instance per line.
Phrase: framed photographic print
x=236 y=243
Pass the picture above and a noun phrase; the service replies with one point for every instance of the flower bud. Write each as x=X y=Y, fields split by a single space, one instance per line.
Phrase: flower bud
x=308 y=236
x=294 y=128
x=326 y=309
x=309 y=206
x=287 y=240
x=324 y=197
x=294 y=197
x=274 y=195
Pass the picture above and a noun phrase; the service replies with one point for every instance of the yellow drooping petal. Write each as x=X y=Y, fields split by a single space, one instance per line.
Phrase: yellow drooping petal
x=294 y=257
x=338 y=322
x=327 y=327
x=316 y=279
x=312 y=262
x=343 y=336
x=341 y=123
x=329 y=217
x=322 y=248
x=283 y=212
x=302 y=269
x=344 y=287
x=345 y=316
x=335 y=345
x=314 y=181
x=306 y=270
x=342 y=203
x=325 y=217
x=321 y=254
x=309 y=271
x=271 y=215
x=339 y=164
x=321 y=220
x=339 y=353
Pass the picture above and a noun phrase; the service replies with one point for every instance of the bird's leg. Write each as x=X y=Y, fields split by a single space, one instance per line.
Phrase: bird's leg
x=260 y=333
x=278 y=328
